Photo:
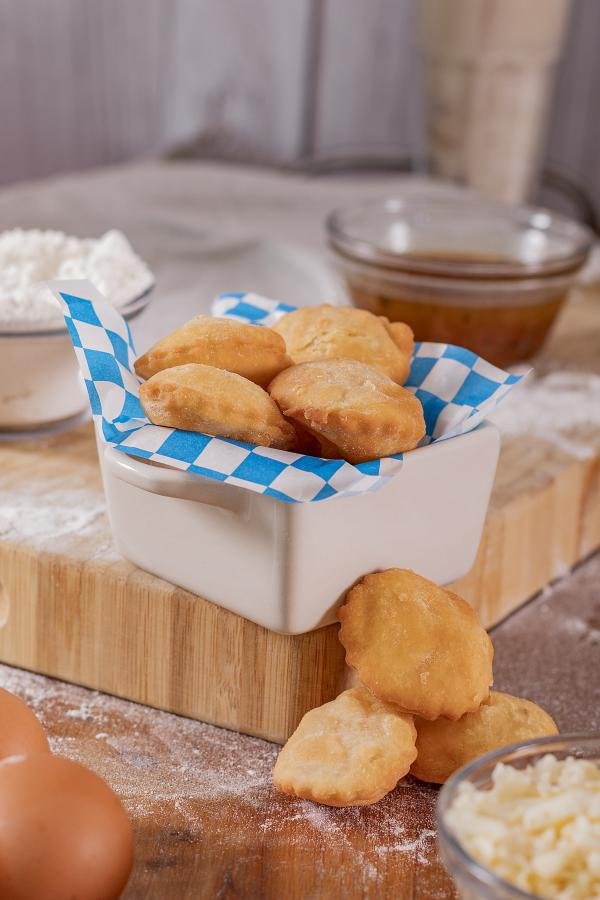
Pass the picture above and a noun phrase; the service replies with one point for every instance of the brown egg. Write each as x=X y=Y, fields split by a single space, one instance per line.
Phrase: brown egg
x=63 y=833
x=21 y=734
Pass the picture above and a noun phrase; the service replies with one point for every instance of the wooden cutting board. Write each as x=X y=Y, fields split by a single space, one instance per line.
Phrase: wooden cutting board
x=71 y=608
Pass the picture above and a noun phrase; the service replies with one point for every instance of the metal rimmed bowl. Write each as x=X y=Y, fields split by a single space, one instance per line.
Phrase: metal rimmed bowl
x=41 y=391
x=474 y=880
x=460 y=271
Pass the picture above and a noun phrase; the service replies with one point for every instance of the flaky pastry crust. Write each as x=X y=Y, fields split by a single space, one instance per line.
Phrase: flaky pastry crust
x=354 y=411
x=342 y=332
x=349 y=752
x=417 y=645
x=444 y=746
x=210 y=400
x=255 y=352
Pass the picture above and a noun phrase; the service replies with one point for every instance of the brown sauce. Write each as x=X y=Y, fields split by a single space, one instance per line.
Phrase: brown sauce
x=501 y=327
x=501 y=334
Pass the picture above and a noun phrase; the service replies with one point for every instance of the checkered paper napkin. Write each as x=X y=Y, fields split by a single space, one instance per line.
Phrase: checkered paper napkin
x=457 y=390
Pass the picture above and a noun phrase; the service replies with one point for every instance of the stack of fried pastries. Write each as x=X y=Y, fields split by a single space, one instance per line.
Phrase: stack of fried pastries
x=423 y=703
x=325 y=381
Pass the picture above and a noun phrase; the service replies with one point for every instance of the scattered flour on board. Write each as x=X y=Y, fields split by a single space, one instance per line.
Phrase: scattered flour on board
x=551 y=406
x=83 y=713
x=549 y=650
x=44 y=519
x=194 y=773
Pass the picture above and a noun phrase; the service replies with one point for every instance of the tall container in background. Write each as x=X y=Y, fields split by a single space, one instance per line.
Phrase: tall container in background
x=490 y=68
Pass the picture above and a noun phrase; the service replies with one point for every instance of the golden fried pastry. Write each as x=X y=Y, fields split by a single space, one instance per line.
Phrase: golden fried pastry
x=341 y=332
x=402 y=335
x=253 y=351
x=353 y=410
x=213 y=401
x=349 y=752
x=417 y=645
x=443 y=746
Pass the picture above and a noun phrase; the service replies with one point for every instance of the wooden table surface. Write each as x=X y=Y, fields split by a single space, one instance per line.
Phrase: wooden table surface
x=208 y=822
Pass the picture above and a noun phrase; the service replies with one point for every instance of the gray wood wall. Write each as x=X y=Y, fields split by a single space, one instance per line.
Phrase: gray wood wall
x=89 y=82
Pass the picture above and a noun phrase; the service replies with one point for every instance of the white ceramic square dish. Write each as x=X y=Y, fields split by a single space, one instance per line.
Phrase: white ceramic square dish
x=286 y=565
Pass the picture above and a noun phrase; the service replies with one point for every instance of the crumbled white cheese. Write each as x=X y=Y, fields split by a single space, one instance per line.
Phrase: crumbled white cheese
x=538 y=827
x=30 y=257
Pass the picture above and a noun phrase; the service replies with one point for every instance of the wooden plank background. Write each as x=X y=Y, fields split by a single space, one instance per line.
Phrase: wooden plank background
x=86 y=83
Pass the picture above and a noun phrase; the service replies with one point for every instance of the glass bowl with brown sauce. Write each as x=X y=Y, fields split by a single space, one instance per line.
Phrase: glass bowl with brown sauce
x=487 y=277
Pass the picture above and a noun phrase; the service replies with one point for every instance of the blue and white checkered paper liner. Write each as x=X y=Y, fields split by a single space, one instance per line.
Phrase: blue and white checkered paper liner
x=456 y=387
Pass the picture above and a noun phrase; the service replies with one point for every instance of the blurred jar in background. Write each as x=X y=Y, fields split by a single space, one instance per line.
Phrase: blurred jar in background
x=489 y=72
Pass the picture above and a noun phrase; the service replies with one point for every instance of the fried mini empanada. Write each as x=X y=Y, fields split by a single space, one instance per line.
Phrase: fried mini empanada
x=417 y=645
x=444 y=746
x=203 y=398
x=402 y=335
x=253 y=351
x=349 y=752
x=355 y=411
x=315 y=333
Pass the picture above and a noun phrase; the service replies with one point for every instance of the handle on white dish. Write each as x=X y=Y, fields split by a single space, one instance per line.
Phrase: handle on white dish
x=172 y=483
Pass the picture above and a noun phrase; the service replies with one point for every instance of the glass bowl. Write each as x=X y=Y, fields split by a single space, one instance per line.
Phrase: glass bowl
x=467 y=272
x=475 y=881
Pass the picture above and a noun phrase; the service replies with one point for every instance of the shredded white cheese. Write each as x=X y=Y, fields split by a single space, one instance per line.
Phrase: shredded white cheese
x=30 y=257
x=538 y=827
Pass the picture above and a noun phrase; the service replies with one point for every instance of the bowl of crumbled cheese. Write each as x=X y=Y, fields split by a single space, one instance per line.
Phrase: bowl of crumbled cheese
x=524 y=821
x=40 y=383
